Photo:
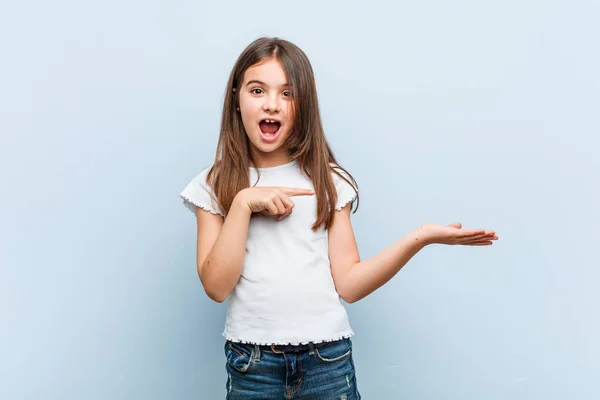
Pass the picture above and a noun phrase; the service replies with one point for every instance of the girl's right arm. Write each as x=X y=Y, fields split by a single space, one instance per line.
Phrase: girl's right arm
x=222 y=242
x=221 y=248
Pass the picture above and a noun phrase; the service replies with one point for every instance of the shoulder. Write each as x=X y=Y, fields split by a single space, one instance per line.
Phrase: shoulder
x=201 y=179
x=345 y=185
x=198 y=193
x=340 y=176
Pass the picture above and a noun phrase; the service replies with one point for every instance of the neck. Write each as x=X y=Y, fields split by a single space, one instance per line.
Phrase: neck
x=268 y=160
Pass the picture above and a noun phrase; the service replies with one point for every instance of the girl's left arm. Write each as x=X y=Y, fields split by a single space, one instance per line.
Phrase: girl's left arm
x=355 y=279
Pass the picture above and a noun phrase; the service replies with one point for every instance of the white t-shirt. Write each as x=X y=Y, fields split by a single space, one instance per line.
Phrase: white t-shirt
x=286 y=293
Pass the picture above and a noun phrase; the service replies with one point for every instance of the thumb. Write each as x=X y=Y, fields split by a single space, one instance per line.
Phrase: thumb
x=456 y=225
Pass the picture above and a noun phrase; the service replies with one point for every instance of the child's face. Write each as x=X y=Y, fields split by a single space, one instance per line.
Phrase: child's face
x=266 y=106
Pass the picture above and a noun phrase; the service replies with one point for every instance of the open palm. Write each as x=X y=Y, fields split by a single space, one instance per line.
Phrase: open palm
x=453 y=234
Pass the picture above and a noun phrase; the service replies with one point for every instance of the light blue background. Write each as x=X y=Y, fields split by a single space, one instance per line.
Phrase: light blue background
x=480 y=112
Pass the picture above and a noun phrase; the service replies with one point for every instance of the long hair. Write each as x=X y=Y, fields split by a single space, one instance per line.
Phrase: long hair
x=306 y=142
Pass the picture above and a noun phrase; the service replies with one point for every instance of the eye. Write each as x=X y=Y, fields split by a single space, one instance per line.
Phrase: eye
x=288 y=93
x=256 y=91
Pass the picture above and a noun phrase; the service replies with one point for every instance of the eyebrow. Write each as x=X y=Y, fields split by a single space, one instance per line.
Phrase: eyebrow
x=255 y=81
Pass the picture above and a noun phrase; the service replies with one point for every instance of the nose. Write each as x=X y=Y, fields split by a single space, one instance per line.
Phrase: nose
x=271 y=103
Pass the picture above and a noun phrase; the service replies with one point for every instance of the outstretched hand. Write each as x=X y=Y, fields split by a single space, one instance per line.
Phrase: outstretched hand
x=454 y=234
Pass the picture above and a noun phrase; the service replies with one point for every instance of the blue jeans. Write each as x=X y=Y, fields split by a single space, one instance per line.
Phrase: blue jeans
x=323 y=371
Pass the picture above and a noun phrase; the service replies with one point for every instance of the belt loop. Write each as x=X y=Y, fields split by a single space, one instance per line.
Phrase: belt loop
x=256 y=353
x=311 y=348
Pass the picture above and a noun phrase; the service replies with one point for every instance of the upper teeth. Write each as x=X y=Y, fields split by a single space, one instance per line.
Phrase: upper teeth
x=270 y=121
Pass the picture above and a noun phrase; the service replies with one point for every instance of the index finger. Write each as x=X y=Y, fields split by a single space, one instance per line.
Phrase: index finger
x=297 y=191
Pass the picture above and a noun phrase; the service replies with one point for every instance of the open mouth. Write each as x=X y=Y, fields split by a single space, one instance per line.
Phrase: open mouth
x=269 y=129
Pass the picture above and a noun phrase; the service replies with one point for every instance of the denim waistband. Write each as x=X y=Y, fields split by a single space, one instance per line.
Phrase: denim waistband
x=291 y=348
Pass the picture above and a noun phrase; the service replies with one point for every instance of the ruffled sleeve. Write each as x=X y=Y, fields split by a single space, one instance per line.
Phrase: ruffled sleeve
x=198 y=194
x=346 y=192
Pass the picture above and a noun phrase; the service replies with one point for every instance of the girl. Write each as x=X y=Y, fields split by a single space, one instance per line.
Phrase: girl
x=275 y=238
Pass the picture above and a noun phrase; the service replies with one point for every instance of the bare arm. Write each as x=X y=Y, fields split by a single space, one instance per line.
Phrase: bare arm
x=221 y=248
x=355 y=279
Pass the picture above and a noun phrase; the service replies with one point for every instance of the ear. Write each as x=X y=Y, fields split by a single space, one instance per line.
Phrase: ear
x=238 y=107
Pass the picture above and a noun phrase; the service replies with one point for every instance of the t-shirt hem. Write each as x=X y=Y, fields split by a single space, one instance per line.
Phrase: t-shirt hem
x=191 y=205
x=342 y=204
x=341 y=336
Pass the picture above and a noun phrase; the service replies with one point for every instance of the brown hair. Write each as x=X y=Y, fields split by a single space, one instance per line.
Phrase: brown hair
x=306 y=143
